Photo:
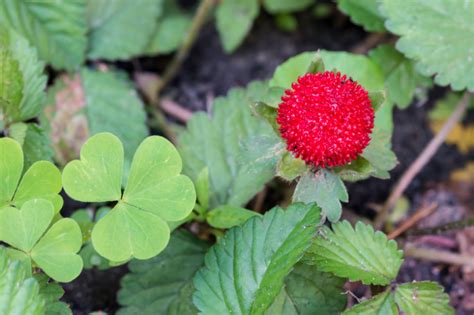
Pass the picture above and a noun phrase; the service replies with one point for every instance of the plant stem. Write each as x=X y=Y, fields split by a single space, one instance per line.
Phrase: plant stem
x=438 y=256
x=422 y=160
x=370 y=41
x=411 y=221
x=456 y=225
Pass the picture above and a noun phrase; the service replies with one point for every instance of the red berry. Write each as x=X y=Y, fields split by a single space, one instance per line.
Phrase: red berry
x=326 y=119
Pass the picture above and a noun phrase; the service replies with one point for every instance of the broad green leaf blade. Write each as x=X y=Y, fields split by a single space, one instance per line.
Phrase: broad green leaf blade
x=282 y=304
x=225 y=217
x=364 y=13
x=22 y=228
x=381 y=304
x=127 y=232
x=120 y=29
x=35 y=142
x=155 y=185
x=379 y=154
x=218 y=143
x=277 y=6
x=19 y=294
x=422 y=298
x=202 y=188
x=11 y=167
x=234 y=20
x=52 y=292
x=163 y=285
x=360 y=254
x=113 y=105
x=440 y=44
x=97 y=176
x=245 y=271
x=57 y=29
x=290 y=167
x=56 y=251
x=311 y=291
x=326 y=189
x=41 y=180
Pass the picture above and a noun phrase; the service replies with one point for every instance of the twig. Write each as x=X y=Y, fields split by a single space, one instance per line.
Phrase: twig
x=422 y=160
x=456 y=225
x=175 y=110
x=369 y=42
x=439 y=256
x=188 y=42
x=411 y=221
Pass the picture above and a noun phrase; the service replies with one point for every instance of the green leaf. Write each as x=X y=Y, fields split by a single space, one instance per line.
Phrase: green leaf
x=19 y=294
x=163 y=285
x=245 y=271
x=360 y=255
x=53 y=251
x=234 y=21
x=379 y=154
x=276 y=6
x=11 y=167
x=225 y=217
x=401 y=78
x=422 y=298
x=202 y=188
x=155 y=193
x=381 y=304
x=120 y=29
x=22 y=82
x=326 y=189
x=220 y=144
x=52 y=292
x=311 y=291
x=56 y=29
x=364 y=13
x=290 y=167
x=440 y=44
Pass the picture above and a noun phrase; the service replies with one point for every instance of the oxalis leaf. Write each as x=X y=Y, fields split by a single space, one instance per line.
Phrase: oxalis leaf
x=440 y=44
x=54 y=248
x=56 y=28
x=360 y=254
x=155 y=194
x=163 y=285
x=245 y=271
x=22 y=81
x=19 y=294
x=221 y=144
x=364 y=13
x=41 y=180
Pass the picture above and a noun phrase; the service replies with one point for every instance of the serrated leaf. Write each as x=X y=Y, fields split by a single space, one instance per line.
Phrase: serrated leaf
x=34 y=141
x=226 y=216
x=440 y=44
x=379 y=153
x=57 y=29
x=290 y=167
x=422 y=298
x=381 y=304
x=234 y=21
x=163 y=285
x=52 y=292
x=326 y=189
x=276 y=6
x=360 y=254
x=245 y=271
x=19 y=294
x=219 y=143
x=364 y=13
x=120 y=29
x=22 y=82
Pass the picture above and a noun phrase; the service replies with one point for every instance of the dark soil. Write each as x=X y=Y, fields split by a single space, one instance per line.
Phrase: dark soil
x=210 y=72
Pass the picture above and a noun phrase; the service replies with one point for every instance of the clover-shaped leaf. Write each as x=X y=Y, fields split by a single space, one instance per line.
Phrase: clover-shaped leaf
x=53 y=251
x=155 y=194
x=42 y=180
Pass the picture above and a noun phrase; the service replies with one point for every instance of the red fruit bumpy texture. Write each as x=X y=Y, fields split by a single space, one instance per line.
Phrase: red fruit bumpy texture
x=326 y=119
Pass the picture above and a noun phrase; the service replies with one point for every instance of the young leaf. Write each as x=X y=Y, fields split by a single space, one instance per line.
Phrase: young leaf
x=364 y=13
x=155 y=193
x=53 y=251
x=120 y=29
x=290 y=167
x=202 y=188
x=19 y=294
x=422 y=298
x=379 y=154
x=276 y=6
x=431 y=36
x=381 y=304
x=56 y=29
x=326 y=189
x=225 y=217
x=234 y=21
x=360 y=255
x=163 y=285
x=22 y=81
x=245 y=271
x=219 y=144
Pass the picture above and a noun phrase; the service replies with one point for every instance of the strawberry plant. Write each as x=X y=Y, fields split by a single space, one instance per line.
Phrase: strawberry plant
x=244 y=208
